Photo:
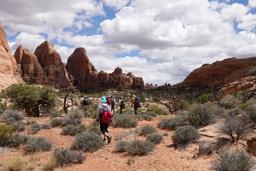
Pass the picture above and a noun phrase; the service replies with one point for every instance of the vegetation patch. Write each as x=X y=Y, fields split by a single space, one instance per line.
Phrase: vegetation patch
x=124 y=121
x=87 y=141
x=154 y=138
x=184 y=134
x=145 y=130
x=37 y=144
x=65 y=157
x=73 y=129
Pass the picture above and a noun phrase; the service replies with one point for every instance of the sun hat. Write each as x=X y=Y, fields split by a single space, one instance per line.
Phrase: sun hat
x=103 y=99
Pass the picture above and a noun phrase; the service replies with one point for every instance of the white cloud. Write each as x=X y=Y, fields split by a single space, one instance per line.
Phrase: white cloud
x=252 y=3
x=172 y=37
x=29 y=41
x=117 y=4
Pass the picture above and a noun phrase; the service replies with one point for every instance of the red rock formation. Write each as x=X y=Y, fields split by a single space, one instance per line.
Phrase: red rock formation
x=52 y=65
x=31 y=70
x=247 y=85
x=218 y=74
x=87 y=77
x=9 y=72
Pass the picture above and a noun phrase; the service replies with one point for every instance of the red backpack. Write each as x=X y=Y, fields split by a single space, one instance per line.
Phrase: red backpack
x=106 y=117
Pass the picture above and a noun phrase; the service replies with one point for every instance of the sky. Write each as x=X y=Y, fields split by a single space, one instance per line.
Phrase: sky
x=161 y=41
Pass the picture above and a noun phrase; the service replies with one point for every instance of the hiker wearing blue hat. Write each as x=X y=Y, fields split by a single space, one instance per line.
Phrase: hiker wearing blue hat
x=105 y=117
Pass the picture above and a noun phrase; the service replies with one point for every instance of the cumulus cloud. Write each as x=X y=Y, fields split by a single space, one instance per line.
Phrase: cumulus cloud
x=171 y=38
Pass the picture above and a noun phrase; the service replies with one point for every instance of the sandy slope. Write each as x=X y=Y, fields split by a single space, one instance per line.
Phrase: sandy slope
x=163 y=158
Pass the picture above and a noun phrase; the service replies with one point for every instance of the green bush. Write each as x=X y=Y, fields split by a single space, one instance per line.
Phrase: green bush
x=46 y=126
x=87 y=141
x=5 y=133
x=124 y=121
x=228 y=102
x=37 y=144
x=157 y=110
x=11 y=116
x=73 y=117
x=168 y=124
x=140 y=147
x=154 y=138
x=122 y=146
x=203 y=98
x=233 y=161
x=16 y=140
x=34 y=128
x=200 y=115
x=234 y=126
x=95 y=129
x=56 y=122
x=145 y=130
x=184 y=134
x=206 y=148
x=31 y=98
x=251 y=110
x=73 y=129
x=64 y=157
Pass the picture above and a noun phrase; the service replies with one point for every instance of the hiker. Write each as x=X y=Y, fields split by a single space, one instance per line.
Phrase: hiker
x=109 y=100
x=105 y=117
x=85 y=102
x=121 y=105
x=136 y=104
x=113 y=102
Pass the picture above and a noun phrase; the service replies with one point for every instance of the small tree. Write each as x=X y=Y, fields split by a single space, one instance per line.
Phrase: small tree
x=31 y=98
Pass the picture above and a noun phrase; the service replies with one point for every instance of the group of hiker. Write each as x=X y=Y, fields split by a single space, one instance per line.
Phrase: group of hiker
x=106 y=110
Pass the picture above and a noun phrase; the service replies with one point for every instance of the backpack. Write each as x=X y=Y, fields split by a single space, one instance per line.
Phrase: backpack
x=85 y=102
x=106 y=117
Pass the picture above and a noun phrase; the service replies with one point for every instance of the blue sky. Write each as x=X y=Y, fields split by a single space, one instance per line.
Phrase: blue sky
x=162 y=41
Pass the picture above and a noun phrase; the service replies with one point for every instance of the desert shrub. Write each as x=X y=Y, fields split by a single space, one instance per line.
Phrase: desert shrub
x=37 y=144
x=206 y=148
x=156 y=98
x=228 y=102
x=31 y=98
x=146 y=129
x=184 y=135
x=11 y=116
x=124 y=121
x=233 y=161
x=2 y=108
x=73 y=117
x=234 y=126
x=49 y=166
x=18 y=126
x=5 y=133
x=122 y=146
x=73 y=129
x=94 y=129
x=140 y=147
x=154 y=138
x=251 y=110
x=200 y=115
x=34 y=128
x=168 y=124
x=87 y=141
x=46 y=126
x=203 y=98
x=56 y=122
x=54 y=113
x=16 y=140
x=15 y=164
x=253 y=71
x=144 y=117
x=65 y=157
x=157 y=110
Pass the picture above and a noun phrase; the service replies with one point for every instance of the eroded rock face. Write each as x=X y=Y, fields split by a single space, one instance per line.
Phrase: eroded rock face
x=52 y=65
x=87 y=77
x=9 y=72
x=31 y=70
x=251 y=146
x=246 y=85
x=218 y=74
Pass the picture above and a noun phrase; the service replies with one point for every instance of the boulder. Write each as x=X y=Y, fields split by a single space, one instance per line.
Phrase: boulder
x=52 y=65
x=31 y=70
